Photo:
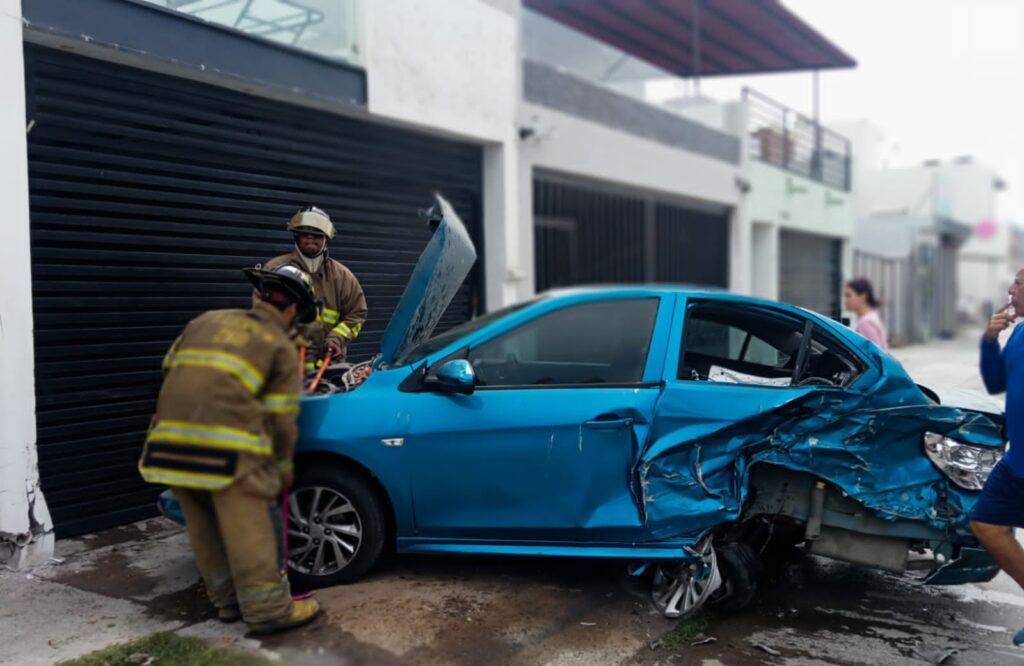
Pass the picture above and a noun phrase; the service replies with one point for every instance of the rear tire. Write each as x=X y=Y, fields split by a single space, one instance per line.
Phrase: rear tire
x=336 y=525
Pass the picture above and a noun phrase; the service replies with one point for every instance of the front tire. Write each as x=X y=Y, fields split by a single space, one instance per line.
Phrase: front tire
x=680 y=590
x=336 y=526
x=741 y=570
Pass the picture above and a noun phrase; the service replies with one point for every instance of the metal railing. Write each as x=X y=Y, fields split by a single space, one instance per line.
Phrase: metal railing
x=329 y=31
x=783 y=137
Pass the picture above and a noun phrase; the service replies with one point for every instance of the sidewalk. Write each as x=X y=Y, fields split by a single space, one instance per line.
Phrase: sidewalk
x=104 y=588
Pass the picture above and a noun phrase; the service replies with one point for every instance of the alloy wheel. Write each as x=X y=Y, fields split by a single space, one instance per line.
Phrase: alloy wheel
x=324 y=531
x=681 y=589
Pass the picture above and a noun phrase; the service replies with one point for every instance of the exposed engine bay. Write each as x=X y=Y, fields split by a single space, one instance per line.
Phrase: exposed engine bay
x=340 y=378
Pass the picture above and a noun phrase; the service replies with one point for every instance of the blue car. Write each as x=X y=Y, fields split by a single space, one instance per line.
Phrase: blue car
x=693 y=433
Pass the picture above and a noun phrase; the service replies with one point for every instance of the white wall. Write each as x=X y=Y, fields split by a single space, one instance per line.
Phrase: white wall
x=26 y=531
x=870 y=151
x=452 y=67
x=966 y=193
x=963 y=192
x=578 y=147
x=794 y=202
x=783 y=200
x=573 y=145
x=898 y=192
x=971 y=190
x=984 y=264
x=703 y=110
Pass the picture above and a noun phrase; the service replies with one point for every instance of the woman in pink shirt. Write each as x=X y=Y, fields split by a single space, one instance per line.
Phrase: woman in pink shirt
x=859 y=297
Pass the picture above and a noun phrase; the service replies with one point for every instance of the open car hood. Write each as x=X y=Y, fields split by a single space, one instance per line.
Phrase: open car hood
x=440 y=271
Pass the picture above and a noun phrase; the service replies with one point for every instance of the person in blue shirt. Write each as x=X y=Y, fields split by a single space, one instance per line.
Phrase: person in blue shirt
x=1001 y=505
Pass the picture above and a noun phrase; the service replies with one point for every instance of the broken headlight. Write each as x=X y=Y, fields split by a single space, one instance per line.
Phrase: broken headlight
x=967 y=465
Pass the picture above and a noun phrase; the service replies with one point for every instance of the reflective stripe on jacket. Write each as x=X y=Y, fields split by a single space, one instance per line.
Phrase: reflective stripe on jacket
x=228 y=403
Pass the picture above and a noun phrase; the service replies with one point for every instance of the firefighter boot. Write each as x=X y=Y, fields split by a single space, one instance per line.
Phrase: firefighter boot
x=229 y=614
x=303 y=612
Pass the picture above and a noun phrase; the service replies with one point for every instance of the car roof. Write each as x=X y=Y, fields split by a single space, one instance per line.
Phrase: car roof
x=660 y=290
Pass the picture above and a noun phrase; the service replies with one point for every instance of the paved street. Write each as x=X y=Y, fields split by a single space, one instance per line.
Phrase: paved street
x=135 y=580
x=952 y=363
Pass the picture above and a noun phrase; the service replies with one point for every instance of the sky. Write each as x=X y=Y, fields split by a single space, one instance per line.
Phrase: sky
x=941 y=78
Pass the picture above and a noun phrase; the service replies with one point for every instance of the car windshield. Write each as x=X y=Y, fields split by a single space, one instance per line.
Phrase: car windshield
x=442 y=340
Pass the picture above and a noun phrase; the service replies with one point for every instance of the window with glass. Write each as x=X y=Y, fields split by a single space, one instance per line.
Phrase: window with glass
x=732 y=343
x=601 y=342
x=324 y=27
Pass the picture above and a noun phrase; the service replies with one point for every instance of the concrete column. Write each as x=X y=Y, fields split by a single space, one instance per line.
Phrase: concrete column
x=765 y=261
x=508 y=243
x=846 y=267
x=503 y=258
x=26 y=531
x=740 y=227
x=526 y=287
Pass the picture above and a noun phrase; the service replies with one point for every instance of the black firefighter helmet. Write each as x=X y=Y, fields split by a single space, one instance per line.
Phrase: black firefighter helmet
x=285 y=285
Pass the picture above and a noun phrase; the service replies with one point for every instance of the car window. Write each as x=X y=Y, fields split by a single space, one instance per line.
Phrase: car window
x=760 y=352
x=733 y=343
x=442 y=340
x=716 y=339
x=601 y=342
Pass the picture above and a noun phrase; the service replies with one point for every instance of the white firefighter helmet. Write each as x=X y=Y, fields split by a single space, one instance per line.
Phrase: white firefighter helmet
x=312 y=220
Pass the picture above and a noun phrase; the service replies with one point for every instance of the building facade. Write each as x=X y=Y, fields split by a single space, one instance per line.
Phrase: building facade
x=160 y=145
x=930 y=237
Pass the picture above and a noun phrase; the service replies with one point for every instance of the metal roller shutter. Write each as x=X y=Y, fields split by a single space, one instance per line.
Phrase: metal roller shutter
x=810 y=272
x=693 y=246
x=586 y=235
x=148 y=193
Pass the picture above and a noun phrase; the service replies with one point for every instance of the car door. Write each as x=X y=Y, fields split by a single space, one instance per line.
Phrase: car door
x=543 y=449
x=732 y=366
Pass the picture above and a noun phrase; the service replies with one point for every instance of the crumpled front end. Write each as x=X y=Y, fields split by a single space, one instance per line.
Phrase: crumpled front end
x=870 y=455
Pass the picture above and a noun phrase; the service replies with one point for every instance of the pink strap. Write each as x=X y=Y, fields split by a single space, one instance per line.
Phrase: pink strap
x=284 y=547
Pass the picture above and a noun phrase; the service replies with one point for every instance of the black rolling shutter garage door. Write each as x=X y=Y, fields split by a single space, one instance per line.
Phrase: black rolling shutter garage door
x=810 y=272
x=587 y=235
x=148 y=193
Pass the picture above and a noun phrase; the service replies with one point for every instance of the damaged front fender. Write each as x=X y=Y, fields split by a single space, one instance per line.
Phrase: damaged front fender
x=694 y=473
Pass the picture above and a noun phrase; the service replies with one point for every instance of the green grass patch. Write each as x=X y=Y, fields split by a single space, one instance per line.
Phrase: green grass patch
x=686 y=631
x=168 y=649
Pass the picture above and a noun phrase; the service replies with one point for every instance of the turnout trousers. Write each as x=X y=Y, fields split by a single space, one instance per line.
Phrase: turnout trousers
x=236 y=547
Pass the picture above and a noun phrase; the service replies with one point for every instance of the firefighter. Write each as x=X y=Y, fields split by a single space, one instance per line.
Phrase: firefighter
x=344 y=305
x=223 y=436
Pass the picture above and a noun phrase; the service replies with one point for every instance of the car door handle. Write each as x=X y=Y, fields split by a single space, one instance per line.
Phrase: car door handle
x=609 y=424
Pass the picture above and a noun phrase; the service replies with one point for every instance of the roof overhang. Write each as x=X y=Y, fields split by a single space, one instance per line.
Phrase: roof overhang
x=732 y=36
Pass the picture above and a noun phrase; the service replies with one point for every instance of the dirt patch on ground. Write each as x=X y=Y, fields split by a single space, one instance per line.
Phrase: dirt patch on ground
x=190 y=606
x=325 y=643
x=111 y=574
x=495 y=610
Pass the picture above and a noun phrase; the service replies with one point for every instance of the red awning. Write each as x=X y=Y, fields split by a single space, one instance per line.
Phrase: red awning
x=735 y=36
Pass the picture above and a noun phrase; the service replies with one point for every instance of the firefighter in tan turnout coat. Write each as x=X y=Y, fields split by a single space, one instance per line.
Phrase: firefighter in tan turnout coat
x=344 y=305
x=223 y=437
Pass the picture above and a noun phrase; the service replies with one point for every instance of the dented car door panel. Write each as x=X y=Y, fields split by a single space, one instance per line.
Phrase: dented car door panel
x=527 y=464
x=543 y=452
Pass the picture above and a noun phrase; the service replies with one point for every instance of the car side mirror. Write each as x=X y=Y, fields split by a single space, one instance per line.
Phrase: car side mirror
x=456 y=376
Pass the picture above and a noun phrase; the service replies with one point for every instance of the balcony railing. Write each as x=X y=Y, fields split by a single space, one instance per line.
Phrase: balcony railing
x=783 y=137
x=324 y=28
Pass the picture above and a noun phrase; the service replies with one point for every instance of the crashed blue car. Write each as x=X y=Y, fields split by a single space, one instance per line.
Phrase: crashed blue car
x=691 y=433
